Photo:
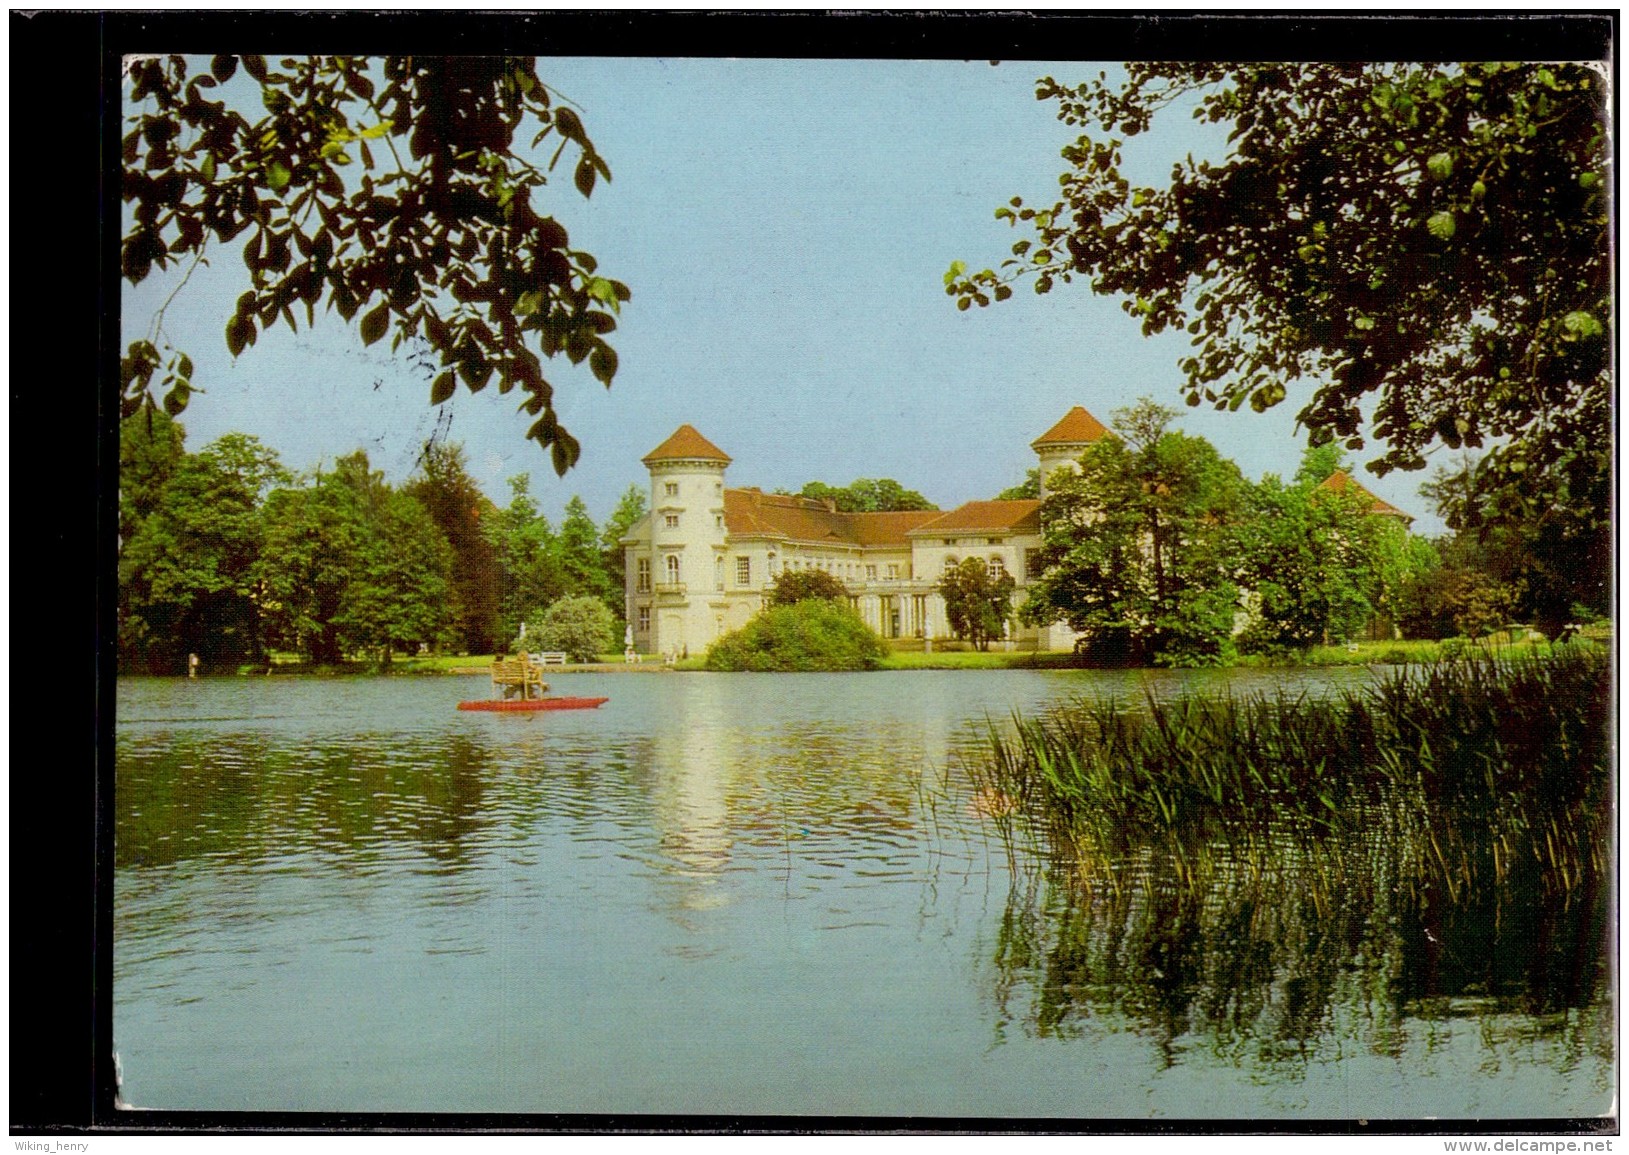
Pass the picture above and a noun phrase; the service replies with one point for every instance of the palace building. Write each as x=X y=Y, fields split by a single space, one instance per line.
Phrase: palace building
x=700 y=563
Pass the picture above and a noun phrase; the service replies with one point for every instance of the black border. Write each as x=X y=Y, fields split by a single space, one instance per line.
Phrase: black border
x=64 y=92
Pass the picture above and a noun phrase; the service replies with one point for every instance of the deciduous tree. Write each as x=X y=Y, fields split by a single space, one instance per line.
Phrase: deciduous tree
x=978 y=603
x=800 y=585
x=187 y=574
x=457 y=504
x=1423 y=248
x=406 y=193
x=865 y=495
x=1140 y=549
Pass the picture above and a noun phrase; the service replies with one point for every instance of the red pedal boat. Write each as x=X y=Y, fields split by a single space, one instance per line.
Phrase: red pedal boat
x=530 y=705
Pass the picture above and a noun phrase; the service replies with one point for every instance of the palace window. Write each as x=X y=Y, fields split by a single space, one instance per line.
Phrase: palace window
x=992 y=541
x=671 y=521
x=950 y=541
x=671 y=489
x=718 y=520
x=950 y=563
x=673 y=567
x=870 y=573
x=893 y=573
x=644 y=619
x=1032 y=561
x=718 y=573
x=743 y=571
x=642 y=576
x=998 y=567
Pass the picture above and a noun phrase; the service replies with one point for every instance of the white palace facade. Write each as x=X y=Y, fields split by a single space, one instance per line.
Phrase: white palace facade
x=700 y=563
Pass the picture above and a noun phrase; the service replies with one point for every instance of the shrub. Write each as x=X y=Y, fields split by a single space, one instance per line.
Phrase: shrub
x=1453 y=649
x=793 y=586
x=582 y=628
x=808 y=636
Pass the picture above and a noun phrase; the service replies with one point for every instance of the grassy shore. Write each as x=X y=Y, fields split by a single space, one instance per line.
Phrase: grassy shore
x=960 y=656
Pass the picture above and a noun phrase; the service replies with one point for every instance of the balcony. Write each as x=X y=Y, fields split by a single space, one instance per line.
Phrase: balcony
x=670 y=589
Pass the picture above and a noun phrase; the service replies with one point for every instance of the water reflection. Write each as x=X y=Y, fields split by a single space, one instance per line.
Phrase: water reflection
x=742 y=894
x=1261 y=956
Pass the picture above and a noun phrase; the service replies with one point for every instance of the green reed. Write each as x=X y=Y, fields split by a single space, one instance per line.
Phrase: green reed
x=1455 y=775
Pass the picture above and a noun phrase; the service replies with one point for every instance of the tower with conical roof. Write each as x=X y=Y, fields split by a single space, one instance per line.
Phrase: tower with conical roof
x=687 y=540
x=1061 y=446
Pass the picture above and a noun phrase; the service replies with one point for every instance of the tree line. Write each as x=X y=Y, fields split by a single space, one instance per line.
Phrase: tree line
x=226 y=554
x=1159 y=551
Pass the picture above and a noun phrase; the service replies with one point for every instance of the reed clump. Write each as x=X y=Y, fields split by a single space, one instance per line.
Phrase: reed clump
x=1454 y=775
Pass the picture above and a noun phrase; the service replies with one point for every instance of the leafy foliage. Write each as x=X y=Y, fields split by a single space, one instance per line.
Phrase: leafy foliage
x=528 y=557
x=810 y=635
x=581 y=627
x=978 y=603
x=458 y=506
x=1541 y=528
x=186 y=575
x=151 y=445
x=1429 y=241
x=1140 y=549
x=864 y=495
x=397 y=192
x=800 y=585
x=1028 y=489
x=350 y=565
x=630 y=508
x=581 y=558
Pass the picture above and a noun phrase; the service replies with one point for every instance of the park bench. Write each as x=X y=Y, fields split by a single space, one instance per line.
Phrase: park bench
x=552 y=658
x=521 y=674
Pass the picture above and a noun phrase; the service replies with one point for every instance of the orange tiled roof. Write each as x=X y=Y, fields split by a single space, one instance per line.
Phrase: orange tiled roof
x=753 y=513
x=1078 y=427
x=686 y=444
x=1340 y=481
x=986 y=517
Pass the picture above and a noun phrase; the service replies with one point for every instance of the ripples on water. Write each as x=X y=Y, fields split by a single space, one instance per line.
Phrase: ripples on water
x=732 y=894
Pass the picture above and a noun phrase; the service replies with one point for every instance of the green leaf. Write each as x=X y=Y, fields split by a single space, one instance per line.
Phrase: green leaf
x=277 y=176
x=1363 y=324
x=223 y=67
x=603 y=361
x=207 y=166
x=1441 y=165
x=570 y=127
x=378 y=130
x=584 y=177
x=235 y=335
x=1580 y=324
x=443 y=387
x=1441 y=225
x=957 y=268
x=375 y=322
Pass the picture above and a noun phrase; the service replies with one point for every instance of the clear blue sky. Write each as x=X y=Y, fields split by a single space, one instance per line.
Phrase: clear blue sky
x=785 y=227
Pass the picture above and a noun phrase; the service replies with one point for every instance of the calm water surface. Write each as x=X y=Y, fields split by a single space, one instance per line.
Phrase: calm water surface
x=735 y=894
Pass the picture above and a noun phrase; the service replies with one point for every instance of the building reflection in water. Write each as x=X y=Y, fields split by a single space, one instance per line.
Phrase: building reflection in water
x=690 y=764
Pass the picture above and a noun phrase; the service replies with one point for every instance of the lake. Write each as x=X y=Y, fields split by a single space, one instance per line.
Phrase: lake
x=748 y=894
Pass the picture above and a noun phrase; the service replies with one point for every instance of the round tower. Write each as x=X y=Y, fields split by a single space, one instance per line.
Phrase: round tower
x=1061 y=446
x=688 y=539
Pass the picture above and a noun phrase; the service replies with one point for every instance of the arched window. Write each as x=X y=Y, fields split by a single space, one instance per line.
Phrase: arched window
x=998 y=567
x=673 y=567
